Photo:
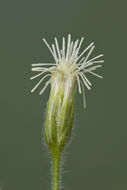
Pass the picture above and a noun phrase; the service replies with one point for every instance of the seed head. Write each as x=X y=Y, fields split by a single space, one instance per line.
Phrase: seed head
x=68 y=71
x=69 y=65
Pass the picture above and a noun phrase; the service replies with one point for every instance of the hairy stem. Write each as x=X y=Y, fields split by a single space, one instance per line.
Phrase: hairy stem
x=56 y=169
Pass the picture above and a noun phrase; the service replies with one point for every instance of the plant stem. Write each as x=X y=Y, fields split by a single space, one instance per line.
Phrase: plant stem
x=56 y=169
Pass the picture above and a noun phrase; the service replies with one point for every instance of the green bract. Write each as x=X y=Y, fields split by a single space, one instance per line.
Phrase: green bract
x=60 y=111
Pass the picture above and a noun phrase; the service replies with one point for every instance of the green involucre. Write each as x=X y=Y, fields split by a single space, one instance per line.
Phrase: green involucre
x=59 y=118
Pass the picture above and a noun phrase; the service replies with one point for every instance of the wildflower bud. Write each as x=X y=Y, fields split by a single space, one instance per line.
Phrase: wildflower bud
x=68 y=70
x=60 y=109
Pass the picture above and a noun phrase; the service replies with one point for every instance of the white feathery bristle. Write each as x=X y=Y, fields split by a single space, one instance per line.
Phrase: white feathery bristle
x=63 y=49
x=84 y=98
x=89 y=53
x=96 y=57
x=43 y=89
x=99 y=76
x=57 y=47
x=84 y=51
x=55 y=54
x=84 y=80
x=77 y=51
x=68 y=45
x=37 y=75
x=43 y=64
x=79 y=86
x=74 y=48
x=40 y=82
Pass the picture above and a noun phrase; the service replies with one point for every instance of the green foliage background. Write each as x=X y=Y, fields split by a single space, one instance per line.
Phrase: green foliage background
x=97 y=157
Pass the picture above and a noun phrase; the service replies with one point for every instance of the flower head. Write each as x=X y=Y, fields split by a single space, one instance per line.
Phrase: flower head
x=68 y=71
x=69 y=65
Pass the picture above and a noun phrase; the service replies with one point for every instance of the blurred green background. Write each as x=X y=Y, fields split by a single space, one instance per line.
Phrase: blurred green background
x=97 y=155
